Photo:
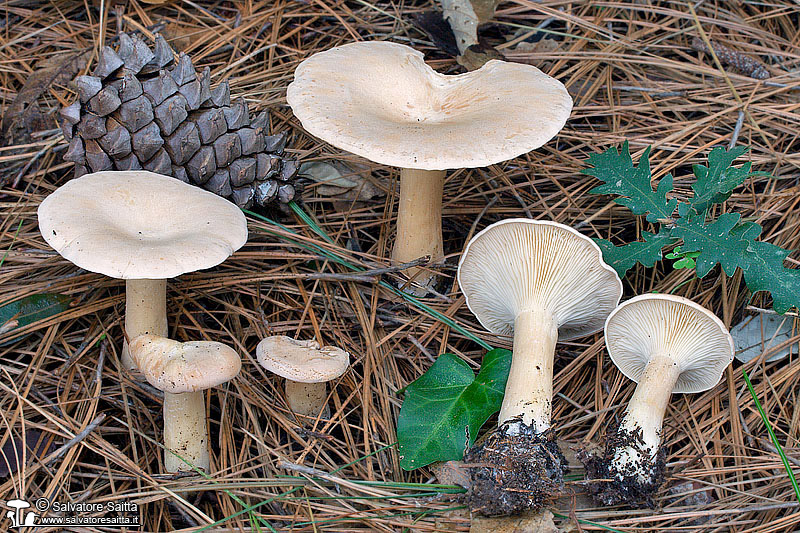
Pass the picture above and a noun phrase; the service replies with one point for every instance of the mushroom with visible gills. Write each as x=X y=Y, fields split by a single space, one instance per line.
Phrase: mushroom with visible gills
x=183 y=370
x=144 y=228
x=665 y=344
x=307 y=369
x=381 y=101
x=541 y=282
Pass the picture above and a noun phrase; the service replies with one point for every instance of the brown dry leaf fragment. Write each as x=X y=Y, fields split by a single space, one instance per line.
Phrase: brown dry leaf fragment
x=12 y=451
x=438 y=31
x=465 y=16
x=477 y=55
x=451 y=473
x=523 y=52
x=339 y=182
x=541 y=522
x=23 y=117
x=178 y=36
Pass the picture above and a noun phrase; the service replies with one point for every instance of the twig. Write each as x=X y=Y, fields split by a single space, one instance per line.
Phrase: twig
x=75 y=440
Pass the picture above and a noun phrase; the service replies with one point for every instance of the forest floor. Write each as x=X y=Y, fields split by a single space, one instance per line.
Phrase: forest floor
x=633 y=75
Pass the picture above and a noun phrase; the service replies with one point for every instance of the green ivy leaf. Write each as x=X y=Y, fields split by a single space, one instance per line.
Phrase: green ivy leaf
x=632 y=184
x=444 y=409
x=31 y=309
x=716 y=182
x=647 y=252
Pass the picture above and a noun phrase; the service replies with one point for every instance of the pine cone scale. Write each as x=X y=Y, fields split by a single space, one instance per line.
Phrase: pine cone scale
x=143 y=108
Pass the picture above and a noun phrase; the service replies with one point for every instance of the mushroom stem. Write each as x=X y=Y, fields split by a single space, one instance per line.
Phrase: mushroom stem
x=646 y=412
x=185 y=432
x=307 y=399
x=419 y=218
x=145 y=312
x=529 y=389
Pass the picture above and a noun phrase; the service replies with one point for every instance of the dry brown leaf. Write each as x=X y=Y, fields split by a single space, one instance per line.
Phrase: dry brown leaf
x=541 y=522
x=451 y=473
x=523 y=51
x=465 y=16
x=178 y=36
x=477 y=55
x=340 y=182
x=23 y=116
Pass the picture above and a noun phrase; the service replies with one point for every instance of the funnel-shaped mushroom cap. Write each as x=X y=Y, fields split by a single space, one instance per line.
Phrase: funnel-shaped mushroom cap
x=521 y=265
x=140 y=225
x=302 y=361
x=661 y=324
x=177 y=367
x=381 y=101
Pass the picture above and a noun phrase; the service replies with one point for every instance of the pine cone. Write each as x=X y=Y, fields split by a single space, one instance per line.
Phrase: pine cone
x=142 y=109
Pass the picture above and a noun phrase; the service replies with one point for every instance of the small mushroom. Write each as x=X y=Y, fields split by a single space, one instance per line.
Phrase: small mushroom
x=380 y=100
x=541 y=282
x=144 y=228
x=183 y=370
x=665 y=344
x=307 y=369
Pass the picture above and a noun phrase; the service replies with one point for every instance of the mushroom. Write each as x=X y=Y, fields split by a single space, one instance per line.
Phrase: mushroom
x=183 y=370
x=379 y=100
x=144 y=228
x=541 y=282
x=665 y=344
x=307 y=369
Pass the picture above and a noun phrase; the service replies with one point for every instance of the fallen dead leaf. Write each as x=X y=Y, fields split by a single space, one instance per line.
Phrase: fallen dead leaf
x=339 y=182
x=541 y=522
x=23 y=117
x=465 y=16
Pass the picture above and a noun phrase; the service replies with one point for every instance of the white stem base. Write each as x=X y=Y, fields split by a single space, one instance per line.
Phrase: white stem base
x=529 y=389
x=645 y=412
x=185 y=431
x=145 y=312
x=307 y=399
x=419 y=220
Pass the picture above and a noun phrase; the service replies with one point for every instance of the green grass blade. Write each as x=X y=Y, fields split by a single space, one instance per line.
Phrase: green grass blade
x=589 y=523
x=773 y=437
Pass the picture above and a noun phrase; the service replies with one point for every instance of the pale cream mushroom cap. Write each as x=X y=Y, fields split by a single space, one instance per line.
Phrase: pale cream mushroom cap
x=140 y=225
x=662 y=324
x=177 y=367
x=518 y=265
x=302 y=361
x=380 y=100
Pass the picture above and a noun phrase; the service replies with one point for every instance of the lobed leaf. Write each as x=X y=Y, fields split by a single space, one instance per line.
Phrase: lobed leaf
x=445 y=408
x=647 y=252
x=716 y=182
x=620 y=177
x=714 y=241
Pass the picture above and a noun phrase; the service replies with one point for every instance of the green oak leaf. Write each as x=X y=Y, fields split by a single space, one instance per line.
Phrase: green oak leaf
x=444 y=409
x=647 y=252
x=632 y=184
x=766 y=272
x=716 y=182
x=714 y=241
x=30 y=309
